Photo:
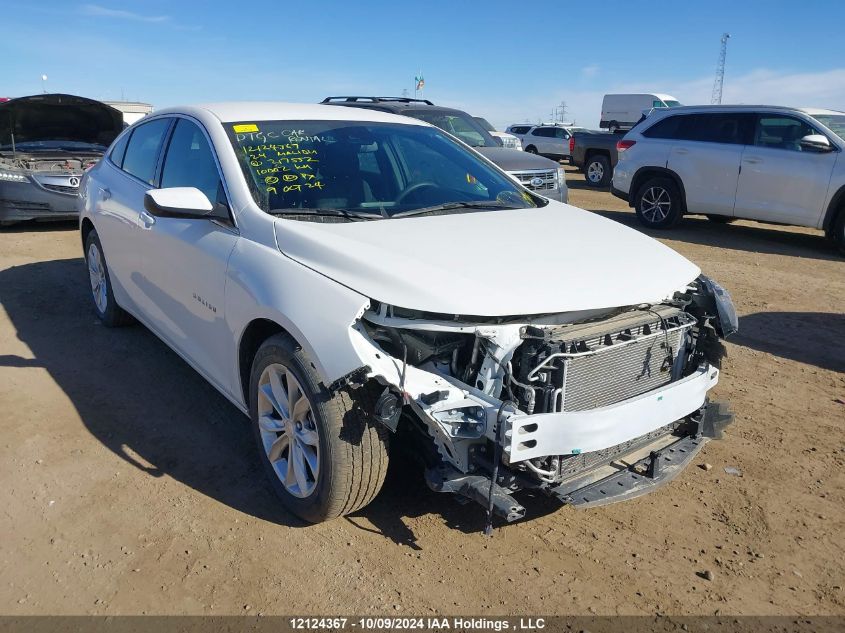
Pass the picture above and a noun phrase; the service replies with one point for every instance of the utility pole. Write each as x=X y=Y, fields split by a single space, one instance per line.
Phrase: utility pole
x=716 y=97
x=44 y=84
x=560 y=112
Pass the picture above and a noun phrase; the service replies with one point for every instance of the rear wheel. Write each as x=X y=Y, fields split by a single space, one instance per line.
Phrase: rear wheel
x=111 y=314
x=597 y=171
x=721 y=219
x=531 y=149
x=323 y=457
x=658 y=203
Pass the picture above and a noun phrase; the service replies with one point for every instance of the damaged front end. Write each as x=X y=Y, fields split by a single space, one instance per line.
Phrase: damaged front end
x=589 y=407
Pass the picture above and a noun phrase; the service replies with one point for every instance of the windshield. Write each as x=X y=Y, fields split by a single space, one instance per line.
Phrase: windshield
x=458 y=124
x=671 y=104
x=484 y=123
x=354 y=170
x=834 y=122
x=55 y=146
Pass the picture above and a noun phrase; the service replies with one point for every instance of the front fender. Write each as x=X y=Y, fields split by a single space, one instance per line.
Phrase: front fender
x=262 y=283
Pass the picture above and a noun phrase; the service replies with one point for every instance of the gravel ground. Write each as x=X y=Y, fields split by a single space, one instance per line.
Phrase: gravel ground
x=130 y=486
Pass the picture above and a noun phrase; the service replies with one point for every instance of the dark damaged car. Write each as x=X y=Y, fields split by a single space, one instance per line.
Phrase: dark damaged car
x=46 y=144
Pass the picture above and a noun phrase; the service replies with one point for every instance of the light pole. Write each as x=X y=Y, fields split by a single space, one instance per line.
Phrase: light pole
x=44 y=84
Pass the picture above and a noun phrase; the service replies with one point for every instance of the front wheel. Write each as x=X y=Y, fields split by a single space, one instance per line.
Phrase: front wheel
x=323 y=457
x=658 y=203
x=597 y=171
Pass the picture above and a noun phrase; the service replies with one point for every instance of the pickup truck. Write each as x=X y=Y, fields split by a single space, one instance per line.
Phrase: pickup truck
x=595 y=154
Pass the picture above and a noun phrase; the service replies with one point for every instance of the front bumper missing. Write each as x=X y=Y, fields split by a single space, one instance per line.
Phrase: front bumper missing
x=634 y=473
x=645 y=474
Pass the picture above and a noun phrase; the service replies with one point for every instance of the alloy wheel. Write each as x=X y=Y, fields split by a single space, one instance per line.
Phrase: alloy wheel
x=655 y=204
x=288 y=430
x=595 y=172
x=97 y=275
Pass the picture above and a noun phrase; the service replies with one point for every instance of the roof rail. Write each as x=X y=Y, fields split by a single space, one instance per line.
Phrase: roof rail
x=375 y=100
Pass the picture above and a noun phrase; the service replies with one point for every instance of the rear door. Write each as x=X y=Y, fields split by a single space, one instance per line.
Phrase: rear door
x=780 y=182
x=184 y=261
x=706 y=156
x=118 y=193
x=543 y=139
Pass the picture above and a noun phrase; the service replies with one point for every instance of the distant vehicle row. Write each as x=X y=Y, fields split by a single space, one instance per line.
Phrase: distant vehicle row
x=772 y=164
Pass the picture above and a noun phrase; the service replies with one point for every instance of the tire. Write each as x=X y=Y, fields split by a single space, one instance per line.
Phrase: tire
x=531 y=149
x=342 y=456
x=658 y=203
x=721 y=219
x=839 y=231
x=111 y=314
x=597 y=171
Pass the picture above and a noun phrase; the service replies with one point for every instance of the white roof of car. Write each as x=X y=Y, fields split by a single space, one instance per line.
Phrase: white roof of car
x=815 y=111
x=245 y=111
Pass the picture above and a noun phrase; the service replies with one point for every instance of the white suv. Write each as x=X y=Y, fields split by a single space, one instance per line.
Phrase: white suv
x=343 y=274
x=772 y=164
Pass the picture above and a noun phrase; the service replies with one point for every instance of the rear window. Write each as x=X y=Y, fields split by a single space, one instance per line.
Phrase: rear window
x=119 y=149
x=520 y=129
x=718 y=127
x=143 y=149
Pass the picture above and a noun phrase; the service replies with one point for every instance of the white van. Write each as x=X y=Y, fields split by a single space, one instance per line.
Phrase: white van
x=621 y=112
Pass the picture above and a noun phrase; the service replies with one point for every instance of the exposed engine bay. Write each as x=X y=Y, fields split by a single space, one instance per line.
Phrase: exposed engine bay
x=555 y=402
x=44 y=162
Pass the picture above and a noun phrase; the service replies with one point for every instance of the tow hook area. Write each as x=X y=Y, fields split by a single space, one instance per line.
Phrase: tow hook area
x=475 y=488
x=652 y=471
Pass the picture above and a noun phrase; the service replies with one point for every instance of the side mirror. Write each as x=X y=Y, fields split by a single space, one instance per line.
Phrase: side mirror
x=815 y=143
x=178 y=202
x=499 y=141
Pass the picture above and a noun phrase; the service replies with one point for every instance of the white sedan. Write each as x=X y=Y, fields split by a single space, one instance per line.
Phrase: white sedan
x=342 y=275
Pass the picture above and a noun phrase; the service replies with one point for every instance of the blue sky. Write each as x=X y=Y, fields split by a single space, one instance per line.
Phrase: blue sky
x=506 y=61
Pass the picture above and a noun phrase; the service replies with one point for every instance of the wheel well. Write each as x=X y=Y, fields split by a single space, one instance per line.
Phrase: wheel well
x=655 y=172
x=87 y=227
x=530 y=145
x=834 y=210
x=596 y=152
x=254 y=335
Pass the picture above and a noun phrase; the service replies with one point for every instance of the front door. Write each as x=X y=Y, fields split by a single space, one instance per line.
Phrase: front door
x=780 y=182
x=184 y=261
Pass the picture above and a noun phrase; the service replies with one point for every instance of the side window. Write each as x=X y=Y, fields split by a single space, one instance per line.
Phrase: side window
x=143 y=149
x=667 y=128
x=548 y=132
x=561 y=133
x=657 y=103
x=119 y=150
x=781 y=132
x=728 y=128
x=190 y=162
x=519 y=129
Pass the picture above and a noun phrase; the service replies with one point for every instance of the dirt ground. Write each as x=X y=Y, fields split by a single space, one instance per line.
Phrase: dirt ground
x=130 y=486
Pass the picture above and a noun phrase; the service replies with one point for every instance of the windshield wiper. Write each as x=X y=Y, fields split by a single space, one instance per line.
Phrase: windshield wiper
x=449 y=206
x=336 y=213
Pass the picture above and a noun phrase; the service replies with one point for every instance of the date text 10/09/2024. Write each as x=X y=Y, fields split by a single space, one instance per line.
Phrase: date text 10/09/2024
x=414 y=623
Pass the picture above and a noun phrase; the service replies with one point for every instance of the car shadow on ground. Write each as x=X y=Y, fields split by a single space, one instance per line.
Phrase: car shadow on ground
x=813 y=338
x=152 y=410
x=30 y=226
x=753 y=239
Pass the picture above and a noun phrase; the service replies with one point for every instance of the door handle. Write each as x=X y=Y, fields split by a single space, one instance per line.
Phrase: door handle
x=752 y=161
x=105 y=193
x=681 y=150
x=146 y=219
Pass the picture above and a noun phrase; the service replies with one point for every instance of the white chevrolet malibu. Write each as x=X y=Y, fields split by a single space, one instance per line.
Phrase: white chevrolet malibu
x=343 y=276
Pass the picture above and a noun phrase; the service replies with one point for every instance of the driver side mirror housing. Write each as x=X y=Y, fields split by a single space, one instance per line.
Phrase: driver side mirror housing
x=815 y=143
x=499 y=141
x=179 y=202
